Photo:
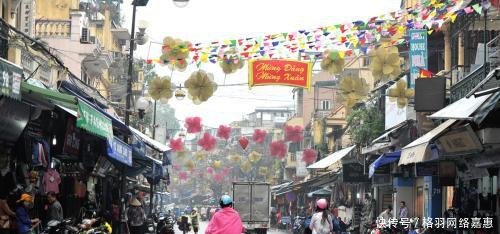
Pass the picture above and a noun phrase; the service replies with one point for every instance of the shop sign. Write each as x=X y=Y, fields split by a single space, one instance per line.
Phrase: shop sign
x=279 y=72
x=427 y=169
x=417 y=53
x=72 y=139
x=93 y=121
x=10 y=79
x=120 y=151
x=462 y=140
x=301 y=169
x=354 y=173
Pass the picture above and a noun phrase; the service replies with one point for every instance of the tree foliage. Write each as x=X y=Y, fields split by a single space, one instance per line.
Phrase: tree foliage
x=364 y=125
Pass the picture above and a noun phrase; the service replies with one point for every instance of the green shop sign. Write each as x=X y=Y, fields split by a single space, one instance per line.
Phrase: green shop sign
x=10 y=79
x=93 y=121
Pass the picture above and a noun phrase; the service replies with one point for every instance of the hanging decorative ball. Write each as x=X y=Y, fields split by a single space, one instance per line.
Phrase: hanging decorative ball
x=180 y=94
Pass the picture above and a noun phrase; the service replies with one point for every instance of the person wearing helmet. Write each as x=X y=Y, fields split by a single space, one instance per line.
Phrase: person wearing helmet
x=195 y=220
x=321 y=222
x=226 y=220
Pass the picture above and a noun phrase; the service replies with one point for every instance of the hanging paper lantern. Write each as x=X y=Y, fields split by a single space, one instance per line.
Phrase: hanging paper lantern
x=246 y=167
x=235 y=158
x=243 y=141
x=401 y=93
x=189 y=165
x=224 y=132
x=231 y=61
x=199 y=156
x=183 y=175
x=176 y=145
x=278 y=149
x=262 y=171
x=259 y=136
x=175 y=53
x=176 y=167
x=207 y=142
x=333 y=62
x=160 y=88
x=217 y=164
x=218 y=178
x=309 y=156
x=210 y=170
x=193 y=124
x=254 y=156
x=181 y=154
x=352 y=91
x=294 y=133
x=385 y=63
x=201 y=86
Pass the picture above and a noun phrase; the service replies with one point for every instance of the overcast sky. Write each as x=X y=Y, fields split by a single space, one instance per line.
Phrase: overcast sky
x=218 y=20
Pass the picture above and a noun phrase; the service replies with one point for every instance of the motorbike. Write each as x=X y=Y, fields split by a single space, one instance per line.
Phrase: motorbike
x=183 y=224
x=286 y=222
x=150 y=225
x=165 y=224
x=56 y=227
x=299 y=225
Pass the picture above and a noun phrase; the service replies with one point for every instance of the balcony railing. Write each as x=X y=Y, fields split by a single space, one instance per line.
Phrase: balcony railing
x=464 y=86
x=53 y=28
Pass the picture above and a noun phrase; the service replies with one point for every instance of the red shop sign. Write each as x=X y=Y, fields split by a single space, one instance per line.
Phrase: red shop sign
x=280 y=72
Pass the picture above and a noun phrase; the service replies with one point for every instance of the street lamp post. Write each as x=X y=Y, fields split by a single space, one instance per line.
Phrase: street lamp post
x=485 y=5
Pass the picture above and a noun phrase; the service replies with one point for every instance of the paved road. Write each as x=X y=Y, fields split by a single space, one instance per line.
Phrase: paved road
x=203 y=226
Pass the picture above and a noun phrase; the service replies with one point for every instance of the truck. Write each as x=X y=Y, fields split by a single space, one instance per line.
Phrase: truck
x=252 y=200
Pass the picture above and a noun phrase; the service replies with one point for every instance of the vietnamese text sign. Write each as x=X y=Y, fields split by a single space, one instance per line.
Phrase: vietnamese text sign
x=120 y=151
x=417 y=53
x=93 y=121
x=279 y=72
x=10 y=79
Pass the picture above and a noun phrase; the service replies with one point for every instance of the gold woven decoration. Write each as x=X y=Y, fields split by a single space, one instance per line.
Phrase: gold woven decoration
x=385 y=63
x=235 y=158
x=199 y=156
x=401 y=93
x=231 y=62
x=160 y=88
x=352 y=91
x=254 y=157
x=190 y=165
x=217 y=164
x=332 y=62
x=246 y=166
x=201 y=86
x=263 y=171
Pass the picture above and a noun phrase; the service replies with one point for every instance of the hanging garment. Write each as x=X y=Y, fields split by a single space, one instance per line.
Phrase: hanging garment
x=51 y=181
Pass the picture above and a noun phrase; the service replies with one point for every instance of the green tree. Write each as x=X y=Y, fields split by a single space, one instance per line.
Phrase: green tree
x=364 y=125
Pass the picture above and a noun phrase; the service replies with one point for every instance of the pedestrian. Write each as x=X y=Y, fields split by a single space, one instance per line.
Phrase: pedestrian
x=6 y=214
x=54 y=210
x=227 y=220
x=386 y=215
x=403 y=210
x=25 y=225
x=195 y=220
x=321 y=222
x=136 y=217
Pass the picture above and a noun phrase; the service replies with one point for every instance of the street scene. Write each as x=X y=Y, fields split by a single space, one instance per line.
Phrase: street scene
x=232 y=117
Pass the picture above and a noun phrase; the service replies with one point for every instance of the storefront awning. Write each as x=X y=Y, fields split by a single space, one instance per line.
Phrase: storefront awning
x=392 y=130
x=320 y=192
x=464 y=108
x=51 y=96
x=331 y=159
x=149 y=141
x=383 y=160
x=418 y=150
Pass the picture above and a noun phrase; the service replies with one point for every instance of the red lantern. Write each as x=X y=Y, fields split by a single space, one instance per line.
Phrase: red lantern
x=309 y=156
x=243 y=142
x=259 y=136
x=224 y=132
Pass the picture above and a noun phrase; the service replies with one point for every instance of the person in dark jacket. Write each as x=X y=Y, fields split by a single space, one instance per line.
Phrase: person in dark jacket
x=25 y=225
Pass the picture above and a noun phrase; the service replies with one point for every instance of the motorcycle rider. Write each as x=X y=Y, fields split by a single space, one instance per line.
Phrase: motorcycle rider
x=195 y=220
x=226 y=220
x=321 y=222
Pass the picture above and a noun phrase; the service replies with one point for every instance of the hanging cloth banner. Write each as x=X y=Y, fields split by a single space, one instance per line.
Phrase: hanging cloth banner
x=93 y=121
x=417 y=53
x=279 y=72
x=120 y=151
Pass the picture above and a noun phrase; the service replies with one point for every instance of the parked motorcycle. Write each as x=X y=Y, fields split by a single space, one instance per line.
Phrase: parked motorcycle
x=298 y=225
x=165 y=224
x=57 y=227
x=286 y=223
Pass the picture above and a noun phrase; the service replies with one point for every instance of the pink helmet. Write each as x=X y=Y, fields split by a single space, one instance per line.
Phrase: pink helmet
x=322 y=203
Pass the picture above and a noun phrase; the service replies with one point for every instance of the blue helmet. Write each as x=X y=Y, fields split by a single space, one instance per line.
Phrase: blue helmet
x=226 y=200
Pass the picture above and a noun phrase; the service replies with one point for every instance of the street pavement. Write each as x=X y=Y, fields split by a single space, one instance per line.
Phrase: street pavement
x=203 y=226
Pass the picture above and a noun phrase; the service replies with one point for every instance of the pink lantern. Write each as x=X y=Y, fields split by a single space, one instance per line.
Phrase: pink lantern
x=309 y=156
x=224 y=132
x=294 y=133
x=207 y=142
x=177 y=145
x=193 y=124
x=278 y=149
x=259 y=136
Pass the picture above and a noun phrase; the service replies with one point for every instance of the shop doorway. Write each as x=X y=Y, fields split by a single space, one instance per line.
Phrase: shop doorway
x=419 y=206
